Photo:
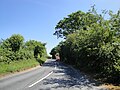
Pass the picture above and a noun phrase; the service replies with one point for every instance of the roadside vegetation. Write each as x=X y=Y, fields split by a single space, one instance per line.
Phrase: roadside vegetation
x=91 y=43
x=17 y=55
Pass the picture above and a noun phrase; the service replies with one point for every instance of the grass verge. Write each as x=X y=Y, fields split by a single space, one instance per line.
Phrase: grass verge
x=17 y=66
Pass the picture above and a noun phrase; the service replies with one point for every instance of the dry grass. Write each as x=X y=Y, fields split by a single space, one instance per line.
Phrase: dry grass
x=111 y=87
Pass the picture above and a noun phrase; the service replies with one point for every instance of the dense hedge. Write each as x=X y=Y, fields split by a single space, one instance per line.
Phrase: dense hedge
x=15 y=49
x=94 y=46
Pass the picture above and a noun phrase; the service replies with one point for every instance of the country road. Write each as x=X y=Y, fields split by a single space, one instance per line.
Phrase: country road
x=52 y=75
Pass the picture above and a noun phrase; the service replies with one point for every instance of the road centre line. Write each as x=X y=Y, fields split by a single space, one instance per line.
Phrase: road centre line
x=41 y=79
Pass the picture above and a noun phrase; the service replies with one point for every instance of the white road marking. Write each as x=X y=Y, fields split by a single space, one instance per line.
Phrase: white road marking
x=41 y=79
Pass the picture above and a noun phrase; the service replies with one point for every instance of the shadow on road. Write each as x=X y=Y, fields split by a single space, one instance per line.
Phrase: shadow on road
x=67 y=77
x=49 y=64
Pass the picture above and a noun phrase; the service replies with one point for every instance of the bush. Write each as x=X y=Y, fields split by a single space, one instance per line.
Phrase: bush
x=14 y=49
x=95 y=47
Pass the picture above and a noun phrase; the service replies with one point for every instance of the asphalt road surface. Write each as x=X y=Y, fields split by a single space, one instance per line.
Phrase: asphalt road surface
x=52 y=75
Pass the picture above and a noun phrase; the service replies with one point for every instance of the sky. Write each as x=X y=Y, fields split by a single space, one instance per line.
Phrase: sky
x=36 y=19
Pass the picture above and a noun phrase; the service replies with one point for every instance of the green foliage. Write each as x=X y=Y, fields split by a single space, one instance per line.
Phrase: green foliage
x=93 y=46
x=75 y=22
x=31 y=44
x=37 y=47
x=38 y=50
x=54 y=51
x=14 y=49
x=5 y=44
x=16 y=41
x=17 y=55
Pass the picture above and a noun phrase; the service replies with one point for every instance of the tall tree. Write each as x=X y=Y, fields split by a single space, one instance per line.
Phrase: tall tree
x=76 y=21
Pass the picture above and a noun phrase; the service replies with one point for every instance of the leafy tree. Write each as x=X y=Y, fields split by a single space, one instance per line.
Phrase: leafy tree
x=37 y=47
x=115 y=22
x=75 y=22
x=38 y=50
x=16 y=42
x=93 y=46
x=14 y=49
x=30 y=45
x=5 y=44
x=53 y=52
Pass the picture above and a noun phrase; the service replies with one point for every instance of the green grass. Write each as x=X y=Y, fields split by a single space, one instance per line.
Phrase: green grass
x=20 y=65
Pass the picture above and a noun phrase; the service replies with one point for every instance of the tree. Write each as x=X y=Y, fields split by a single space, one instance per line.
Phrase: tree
x=38 y=51
x=30 y=45
x=5 y=44
x=75 y=22
x=115 y=22
x=54 y=51
x=91 y=43
x=16 y=42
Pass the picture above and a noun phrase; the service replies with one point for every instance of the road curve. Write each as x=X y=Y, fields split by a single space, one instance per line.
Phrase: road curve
x=52 y=75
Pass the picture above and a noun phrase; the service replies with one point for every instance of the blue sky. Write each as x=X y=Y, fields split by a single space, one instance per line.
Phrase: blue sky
x=36 y=19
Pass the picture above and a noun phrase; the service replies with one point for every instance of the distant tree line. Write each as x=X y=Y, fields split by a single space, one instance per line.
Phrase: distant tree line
x=91 y=42
x=14 y=49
